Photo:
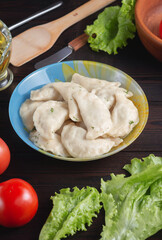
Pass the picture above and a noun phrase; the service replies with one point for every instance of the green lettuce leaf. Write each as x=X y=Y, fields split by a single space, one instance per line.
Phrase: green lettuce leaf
x=113 y=27
x=133 y=205
x=71 y=212
x=137 y=165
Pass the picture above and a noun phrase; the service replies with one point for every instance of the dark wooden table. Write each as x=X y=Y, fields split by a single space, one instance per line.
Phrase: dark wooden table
x=48 y=175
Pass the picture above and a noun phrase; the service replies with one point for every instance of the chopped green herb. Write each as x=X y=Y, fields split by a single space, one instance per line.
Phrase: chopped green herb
x=126 y=91
x=131 y=122
x=57 y=80
x=52 y=110
x=74 y=118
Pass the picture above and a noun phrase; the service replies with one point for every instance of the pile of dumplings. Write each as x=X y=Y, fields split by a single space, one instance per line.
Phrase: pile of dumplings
x=83 y=118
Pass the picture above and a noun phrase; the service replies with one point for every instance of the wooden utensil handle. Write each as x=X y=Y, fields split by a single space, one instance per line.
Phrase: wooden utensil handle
x=78 y=42
x=80 y=13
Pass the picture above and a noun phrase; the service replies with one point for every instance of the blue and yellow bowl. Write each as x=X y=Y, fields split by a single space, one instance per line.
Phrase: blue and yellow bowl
x=63 y=72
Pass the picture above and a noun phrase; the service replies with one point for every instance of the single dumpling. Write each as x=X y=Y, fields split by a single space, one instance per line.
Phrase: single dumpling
x=49 y=145
x=107 y=94
x=75 y=141
x=27 y=110
x=95 y=114
x=124 y=117
x=45 y=93
x=49 y=117
x=92 y=83
x=66 y=90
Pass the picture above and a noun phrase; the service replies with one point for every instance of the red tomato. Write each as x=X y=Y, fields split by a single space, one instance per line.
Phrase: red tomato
x=160 y=29
x=18 y=203
x=4 y=156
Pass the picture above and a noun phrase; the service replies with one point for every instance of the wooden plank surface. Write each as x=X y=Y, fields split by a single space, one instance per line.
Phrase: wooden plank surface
x=48 y=175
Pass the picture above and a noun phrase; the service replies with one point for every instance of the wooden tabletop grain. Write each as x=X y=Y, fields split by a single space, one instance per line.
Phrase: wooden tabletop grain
x=48 y=175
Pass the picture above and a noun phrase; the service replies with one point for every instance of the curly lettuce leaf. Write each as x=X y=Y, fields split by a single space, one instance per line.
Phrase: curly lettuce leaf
x=133 y=205
x=137 y=165
x=113 y=27
x=71 y=212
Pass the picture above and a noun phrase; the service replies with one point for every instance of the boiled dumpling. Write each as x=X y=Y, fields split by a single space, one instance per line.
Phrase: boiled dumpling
x=45 y=93
x=27 y=110
x=107 y=94
x=94 y=112
x=124 y=117
x=49 y=117
x=75 y=141
x=91 y=83
x=66 y=90
x=50 y=145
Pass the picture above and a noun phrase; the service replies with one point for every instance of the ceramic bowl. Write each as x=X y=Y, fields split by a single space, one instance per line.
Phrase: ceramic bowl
x=63 y=71
x=148 y=15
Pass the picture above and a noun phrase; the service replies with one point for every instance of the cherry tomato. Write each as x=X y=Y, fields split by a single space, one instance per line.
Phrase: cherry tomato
x=160 y=29
x=18 y=203
x=4 y=156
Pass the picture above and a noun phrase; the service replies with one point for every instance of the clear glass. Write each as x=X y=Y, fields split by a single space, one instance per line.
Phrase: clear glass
x=6 y=76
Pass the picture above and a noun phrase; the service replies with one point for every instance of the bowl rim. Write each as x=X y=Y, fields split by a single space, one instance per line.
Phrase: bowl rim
x=87 y=158
x=138 y=19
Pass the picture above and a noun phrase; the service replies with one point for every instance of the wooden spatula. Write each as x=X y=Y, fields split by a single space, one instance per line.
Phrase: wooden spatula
x=39 y=39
